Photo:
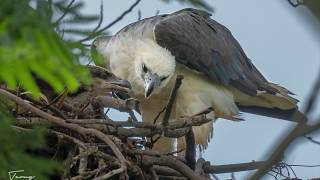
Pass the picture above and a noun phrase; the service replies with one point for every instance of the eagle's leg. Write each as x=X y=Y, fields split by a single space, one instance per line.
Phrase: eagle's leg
x=203 y=133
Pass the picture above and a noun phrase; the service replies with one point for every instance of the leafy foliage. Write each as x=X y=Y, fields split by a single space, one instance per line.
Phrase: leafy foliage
x=13 y=149
x=29 y=46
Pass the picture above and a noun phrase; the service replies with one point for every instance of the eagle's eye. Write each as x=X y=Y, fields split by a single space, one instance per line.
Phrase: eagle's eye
x=163 y=78
x=144 y=68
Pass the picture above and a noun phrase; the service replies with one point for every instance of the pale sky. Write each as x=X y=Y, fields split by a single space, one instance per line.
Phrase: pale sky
x=283 y=49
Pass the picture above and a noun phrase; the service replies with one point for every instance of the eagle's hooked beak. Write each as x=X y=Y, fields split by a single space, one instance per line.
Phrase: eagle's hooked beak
x=151 y=81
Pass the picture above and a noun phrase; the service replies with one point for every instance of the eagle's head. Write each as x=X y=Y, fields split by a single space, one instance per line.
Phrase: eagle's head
x=154 y=67
x=146 y=65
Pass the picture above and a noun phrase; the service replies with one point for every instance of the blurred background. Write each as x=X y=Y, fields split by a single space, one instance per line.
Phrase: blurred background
x=282 y=41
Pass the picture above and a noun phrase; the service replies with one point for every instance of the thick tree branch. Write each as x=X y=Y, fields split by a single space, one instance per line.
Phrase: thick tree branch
x=228 y=168
x=172 y=163
x=176 y=128
x=115 y=153
x=61 y=122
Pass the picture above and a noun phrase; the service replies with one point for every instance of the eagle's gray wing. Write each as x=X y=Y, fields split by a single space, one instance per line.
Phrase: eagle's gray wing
x=206 y=46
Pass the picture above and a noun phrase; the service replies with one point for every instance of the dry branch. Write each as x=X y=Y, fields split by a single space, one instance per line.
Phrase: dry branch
x=171 y=100
x=119 y=18
x=300 y=130
x=174 y=129
x=62 y=123
x=113 y=144
x=172 y=163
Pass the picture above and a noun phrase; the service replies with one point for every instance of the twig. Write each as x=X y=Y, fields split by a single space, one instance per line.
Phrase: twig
x=56 y=99
x=199 y=168
x=302 y=165
x=182 y=122
x=139 y=15
x=172 y=178
x=111 y=173
x=68 y=163
x=203 y=168
x=100 y=18
x=170 y=162
x=141 y=175
x=292 y=170
x=297 y=3
x=119 y=18
x=312 y=98
x=190 y=155
x=148 y=152
x=158 y=115
x=61 y=122
x=312 y=140
x=300 y=130
x=62 y=135
x=162 y=170
x=153 y=173
x=171 y=100
x=218 y=169
x=83 y=161
x=65 y=12
x=122 y=105
x=277 y=154
x=175 y=129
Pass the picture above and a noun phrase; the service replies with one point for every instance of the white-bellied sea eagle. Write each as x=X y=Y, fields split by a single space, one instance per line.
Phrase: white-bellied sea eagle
x=217 y=73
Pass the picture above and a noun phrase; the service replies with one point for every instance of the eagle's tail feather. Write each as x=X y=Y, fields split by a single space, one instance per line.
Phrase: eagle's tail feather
x=277 y=105
x=291 y=115
x=281 y=99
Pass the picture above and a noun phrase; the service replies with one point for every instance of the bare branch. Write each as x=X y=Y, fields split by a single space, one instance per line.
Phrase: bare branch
x=313 y=96
x=312 y=140
x=171 y=100
x=92 y=134
x=190 y=155
x=83 y=161
x=296 y=3
x=100 y=18
x=300 y=130
x=119 y=18
x=65 y=12
x=121 y=105
x=217 y=169
x=111 y=173
x=139 y=15
x=153 y=174
x=61 y=122
x=170 y=162
x=176 y=128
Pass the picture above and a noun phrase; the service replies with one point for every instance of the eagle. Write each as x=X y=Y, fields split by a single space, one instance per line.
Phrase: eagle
x=217 y=73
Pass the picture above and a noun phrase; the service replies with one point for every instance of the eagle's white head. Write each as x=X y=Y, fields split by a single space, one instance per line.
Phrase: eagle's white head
x=146 y=65
x=154 y=66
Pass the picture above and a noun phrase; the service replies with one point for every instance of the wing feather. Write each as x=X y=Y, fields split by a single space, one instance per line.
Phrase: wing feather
x=206 y=46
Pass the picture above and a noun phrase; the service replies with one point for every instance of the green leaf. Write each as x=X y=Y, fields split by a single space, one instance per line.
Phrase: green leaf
x=14 y=146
